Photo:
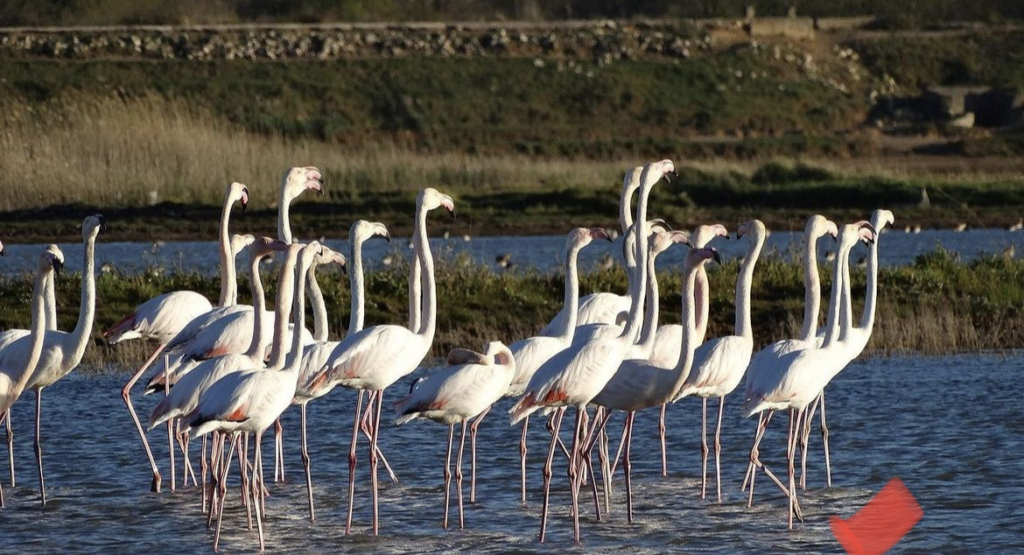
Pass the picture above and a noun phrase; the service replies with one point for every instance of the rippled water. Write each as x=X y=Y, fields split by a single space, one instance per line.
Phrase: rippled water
x=950 y=427
x=542 y=252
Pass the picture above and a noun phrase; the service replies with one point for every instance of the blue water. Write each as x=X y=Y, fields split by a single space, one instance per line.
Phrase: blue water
x=950 y=427
x=544 y=252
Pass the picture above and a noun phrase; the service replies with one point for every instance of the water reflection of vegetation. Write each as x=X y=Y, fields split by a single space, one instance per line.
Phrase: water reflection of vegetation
x=936 y=305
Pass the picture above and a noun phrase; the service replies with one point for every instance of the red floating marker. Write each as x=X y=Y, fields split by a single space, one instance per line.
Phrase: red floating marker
x=882 y=523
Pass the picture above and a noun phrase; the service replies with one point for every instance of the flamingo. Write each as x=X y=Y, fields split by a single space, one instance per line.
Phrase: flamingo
x=186 y=393
x=639 y=384
x=375 y=357
x=576 y=375
x=719 y=364
x=62 y=351
x=163 y=317
x=19 y=360
x=666 y=346
x=856 y=339
x=793 y=380
x=531 y=353
x=250 y=400
x=817 y=226
x=9 y=336
x=315 y=356
x=603 y=307
x=463 y=390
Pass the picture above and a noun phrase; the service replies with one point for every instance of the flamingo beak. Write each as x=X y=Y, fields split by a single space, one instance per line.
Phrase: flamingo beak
x=717 y=257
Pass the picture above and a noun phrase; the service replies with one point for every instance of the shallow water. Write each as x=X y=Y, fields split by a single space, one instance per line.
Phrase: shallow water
x=949 y=427
x=545 y=252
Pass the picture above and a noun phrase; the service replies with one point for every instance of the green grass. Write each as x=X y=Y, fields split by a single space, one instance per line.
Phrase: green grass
x=936 y=305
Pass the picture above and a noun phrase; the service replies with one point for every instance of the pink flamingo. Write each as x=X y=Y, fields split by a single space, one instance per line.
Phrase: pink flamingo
x=251 y=400
x=375 y=357
x=576 y=375
x=463 y=390
x=19 y=360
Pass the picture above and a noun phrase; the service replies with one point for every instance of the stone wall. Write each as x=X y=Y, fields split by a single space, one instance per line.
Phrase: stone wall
x=600 y=41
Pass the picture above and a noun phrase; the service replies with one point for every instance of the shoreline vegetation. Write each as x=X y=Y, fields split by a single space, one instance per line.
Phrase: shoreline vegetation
x=956 y=307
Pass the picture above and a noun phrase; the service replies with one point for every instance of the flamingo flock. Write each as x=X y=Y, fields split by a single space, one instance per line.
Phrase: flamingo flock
x=229 y=371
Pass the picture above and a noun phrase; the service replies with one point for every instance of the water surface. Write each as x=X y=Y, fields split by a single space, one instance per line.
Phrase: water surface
x=950 y=427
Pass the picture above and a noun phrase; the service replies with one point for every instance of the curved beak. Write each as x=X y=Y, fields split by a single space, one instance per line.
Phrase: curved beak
x=871 y=235
x=103 y=222
x=58 y=265
x=600 y=233
x=717 y=257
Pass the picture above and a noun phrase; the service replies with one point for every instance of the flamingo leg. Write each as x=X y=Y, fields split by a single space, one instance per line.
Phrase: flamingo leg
x=824 y=439
x=243 y=471
x=373 y=461
x=39 y=445
x=216 y=462
x=805 y=436
x=126 y=397
x=458 y=475
x=352 y=462
x=170 y=427
x=448 y=475
x=762 y=422
x=472 y=464
x=522 y=459
x=203 y=467
x=794 y=430
x=183 y=444
x=602 y=454
x=257 y=486
x=627 y=465
x=551 y=428
x=575 y=474
x=718 y=448
x=703 y=447
x=222 y=488
x=587 y=448
x=661 y=432
x=618 y=453
x=306 y=463
x=278 y=451
x=10 y=444
x=366 y=427
x=556 y=424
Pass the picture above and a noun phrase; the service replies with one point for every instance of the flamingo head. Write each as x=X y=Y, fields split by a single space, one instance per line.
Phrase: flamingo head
x=581 y=237
x=704 y=234
x=755 y=228
x=2 y=253
x=697 y=257
x=459 y=357
x=262 y=247
x=654 y=171
x=55 y=259
x=238 y=192
x=432 y=198
x=330 y=256
x=661 y=241
x=866 y=232
x=818 y=226
x=93 y=225
x=362 y=230
x=501 y=355
x=298 y=180
x=239 y=241
x=881 y=218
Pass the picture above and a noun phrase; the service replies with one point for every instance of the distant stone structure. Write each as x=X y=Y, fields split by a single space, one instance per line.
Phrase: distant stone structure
x=791 y=26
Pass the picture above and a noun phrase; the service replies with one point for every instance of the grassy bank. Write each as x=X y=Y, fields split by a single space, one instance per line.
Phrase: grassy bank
x=936 y=305
x=157 y=168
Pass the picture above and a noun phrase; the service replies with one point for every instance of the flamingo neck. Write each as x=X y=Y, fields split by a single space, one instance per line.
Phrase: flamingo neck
x=316 y=299
x=647 y=333
x=87 y=307
x=832 y=323
x=845 y=303
x=689 y=339
x=50 y=293
x=744 y=283
x=228 y=278
x=303 y=272
x=812 y=290
x=638 y=288
x=415 y=287
x=429 y=319
x=282 y=311
x=284 y=226
x=867 y=319
x=37 y=334
x=702 y=302
x=258 y=345
x=626 y=223
x=572 y=296
x=356 y=286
